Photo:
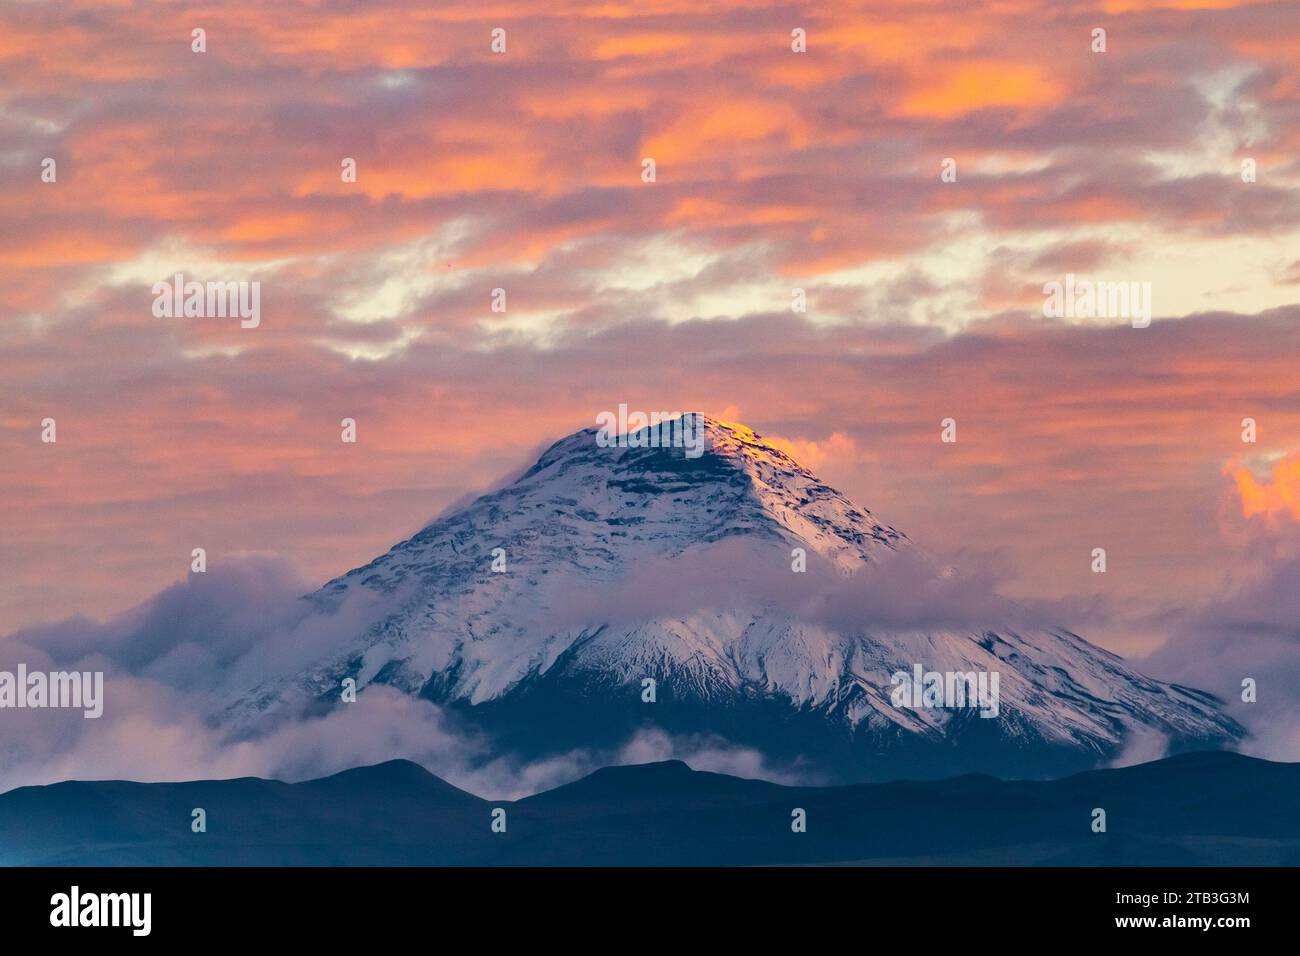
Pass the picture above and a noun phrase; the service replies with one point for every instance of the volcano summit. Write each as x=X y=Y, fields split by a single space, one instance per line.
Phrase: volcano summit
x=757 y=604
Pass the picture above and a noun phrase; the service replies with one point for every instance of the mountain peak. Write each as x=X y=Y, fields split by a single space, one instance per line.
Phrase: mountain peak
x=542 y=607
x=696 y=479
x=674 y=434
x=688 y=435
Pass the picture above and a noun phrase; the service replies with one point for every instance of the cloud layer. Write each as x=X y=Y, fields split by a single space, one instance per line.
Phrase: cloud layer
x=171 y=663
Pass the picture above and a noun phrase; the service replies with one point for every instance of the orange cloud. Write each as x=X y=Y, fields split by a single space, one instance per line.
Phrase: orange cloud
x=968 y=87
x=815 y=454
x=713 y=129
x=1281 y=496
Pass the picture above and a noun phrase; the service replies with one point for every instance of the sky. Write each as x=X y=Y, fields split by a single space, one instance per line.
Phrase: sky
x=774 y=170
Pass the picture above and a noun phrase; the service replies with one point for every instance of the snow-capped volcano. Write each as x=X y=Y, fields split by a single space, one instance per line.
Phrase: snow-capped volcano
x=540 y=610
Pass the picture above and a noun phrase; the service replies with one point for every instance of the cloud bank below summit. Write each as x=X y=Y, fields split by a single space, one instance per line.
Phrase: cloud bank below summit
x=170 y=661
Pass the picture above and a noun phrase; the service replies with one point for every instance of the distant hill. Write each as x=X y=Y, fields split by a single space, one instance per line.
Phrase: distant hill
x=1194 y=809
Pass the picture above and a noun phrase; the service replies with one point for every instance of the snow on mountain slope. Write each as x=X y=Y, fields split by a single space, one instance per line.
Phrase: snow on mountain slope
x=627 y=563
